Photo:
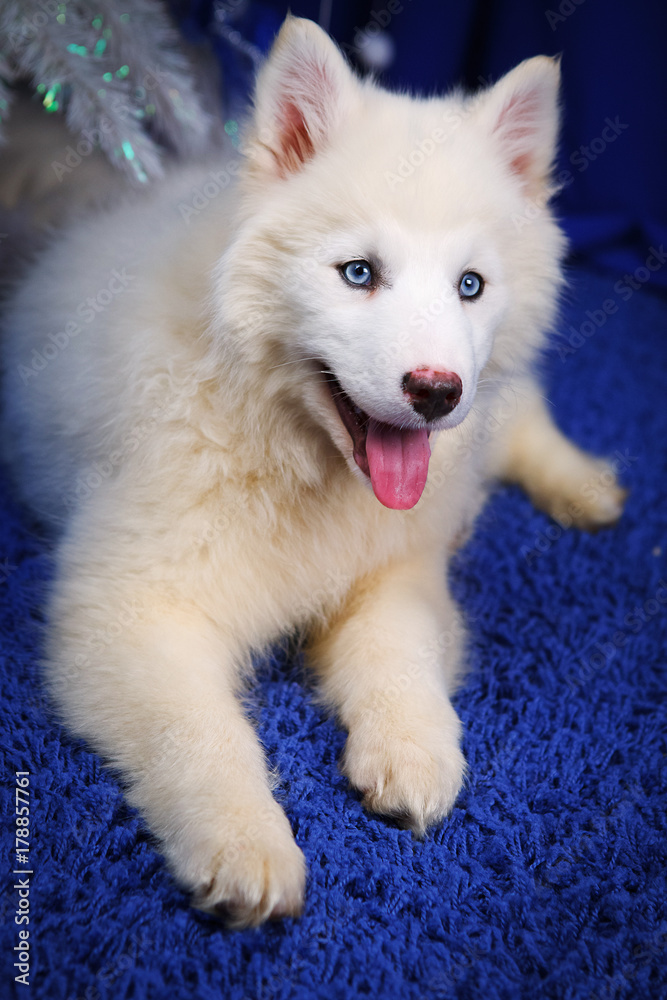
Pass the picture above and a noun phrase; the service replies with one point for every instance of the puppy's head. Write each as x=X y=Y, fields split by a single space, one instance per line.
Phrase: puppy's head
x=393 y=249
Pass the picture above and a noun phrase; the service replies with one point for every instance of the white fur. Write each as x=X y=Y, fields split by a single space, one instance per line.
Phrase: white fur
x=204 y=483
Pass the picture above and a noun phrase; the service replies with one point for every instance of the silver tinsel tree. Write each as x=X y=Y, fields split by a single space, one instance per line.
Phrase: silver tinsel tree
x=114 y=70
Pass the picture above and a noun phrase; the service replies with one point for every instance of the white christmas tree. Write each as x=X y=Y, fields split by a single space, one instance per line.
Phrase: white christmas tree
x=113 y=69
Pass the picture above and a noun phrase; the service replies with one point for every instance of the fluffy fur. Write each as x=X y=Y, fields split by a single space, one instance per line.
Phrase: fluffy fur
x=189 y=452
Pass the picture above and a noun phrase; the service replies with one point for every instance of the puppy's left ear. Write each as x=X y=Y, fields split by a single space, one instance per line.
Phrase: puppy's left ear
x=523 y=116
x=304 y=91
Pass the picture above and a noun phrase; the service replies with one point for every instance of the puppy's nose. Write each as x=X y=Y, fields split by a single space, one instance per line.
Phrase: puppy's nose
x=432 y=394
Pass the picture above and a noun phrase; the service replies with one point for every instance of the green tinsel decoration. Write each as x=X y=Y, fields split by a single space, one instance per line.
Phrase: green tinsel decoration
x=113 y=69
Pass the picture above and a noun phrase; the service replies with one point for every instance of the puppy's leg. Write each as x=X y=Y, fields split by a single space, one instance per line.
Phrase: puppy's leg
x=572 y=486
x=387 y=664
x=155 y=691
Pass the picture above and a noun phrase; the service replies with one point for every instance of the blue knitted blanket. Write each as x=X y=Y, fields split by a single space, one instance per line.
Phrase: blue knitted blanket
x=548 y=879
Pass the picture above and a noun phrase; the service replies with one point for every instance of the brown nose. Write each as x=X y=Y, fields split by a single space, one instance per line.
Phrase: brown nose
x=432 y=394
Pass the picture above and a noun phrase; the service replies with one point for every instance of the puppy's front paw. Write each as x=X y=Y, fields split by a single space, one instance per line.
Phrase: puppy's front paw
x=250 y=871
x=412 y=774
x=585 y=494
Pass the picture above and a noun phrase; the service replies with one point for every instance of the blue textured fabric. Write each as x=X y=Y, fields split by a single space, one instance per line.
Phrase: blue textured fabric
x=549 y=878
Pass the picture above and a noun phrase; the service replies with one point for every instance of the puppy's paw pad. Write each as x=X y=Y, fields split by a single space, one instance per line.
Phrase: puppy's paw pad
x=590 y=499
x=604 y=510
x=266 y=885
x=251 y=875
x=413 y=780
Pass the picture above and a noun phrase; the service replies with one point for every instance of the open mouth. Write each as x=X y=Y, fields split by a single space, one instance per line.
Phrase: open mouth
x=394 y=458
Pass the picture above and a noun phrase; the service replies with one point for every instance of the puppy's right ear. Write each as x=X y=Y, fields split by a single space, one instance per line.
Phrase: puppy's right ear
x=304 y=90
x=522 y=116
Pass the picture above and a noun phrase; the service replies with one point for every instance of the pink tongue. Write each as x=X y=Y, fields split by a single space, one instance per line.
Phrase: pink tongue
x=398 y=464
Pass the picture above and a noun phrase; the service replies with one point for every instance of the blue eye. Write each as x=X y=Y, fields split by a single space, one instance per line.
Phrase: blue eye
x=357 y=272
x=471 y=285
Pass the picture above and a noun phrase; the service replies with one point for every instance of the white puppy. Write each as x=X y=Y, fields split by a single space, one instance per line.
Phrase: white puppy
x=280 y=411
